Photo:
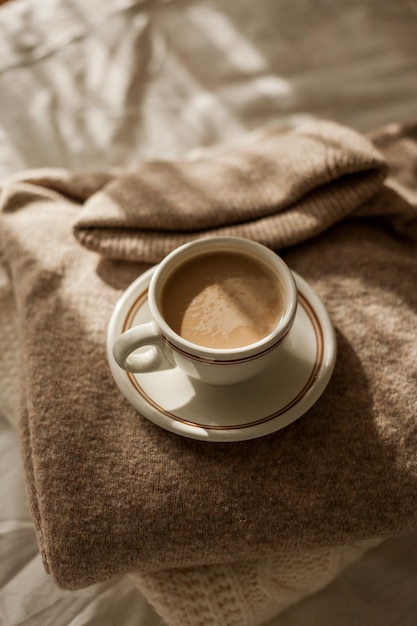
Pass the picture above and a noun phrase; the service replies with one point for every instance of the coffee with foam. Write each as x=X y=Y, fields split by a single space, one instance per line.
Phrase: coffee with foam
x=223 y=300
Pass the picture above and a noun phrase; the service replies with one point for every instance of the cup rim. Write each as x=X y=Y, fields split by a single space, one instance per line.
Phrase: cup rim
x=246 y=352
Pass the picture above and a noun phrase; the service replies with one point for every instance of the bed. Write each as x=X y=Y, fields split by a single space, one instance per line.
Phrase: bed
x=104 y=84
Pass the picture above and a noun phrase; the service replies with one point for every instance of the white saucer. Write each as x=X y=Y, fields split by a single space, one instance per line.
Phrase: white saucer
x=260 y=406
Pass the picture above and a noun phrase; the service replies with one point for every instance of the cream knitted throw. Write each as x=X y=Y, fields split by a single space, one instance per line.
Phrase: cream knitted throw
x=110 y=492
x=246 y=593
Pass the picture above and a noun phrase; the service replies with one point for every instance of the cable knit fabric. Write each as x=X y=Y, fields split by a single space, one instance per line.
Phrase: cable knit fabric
x=112 y=493
x=246 y=593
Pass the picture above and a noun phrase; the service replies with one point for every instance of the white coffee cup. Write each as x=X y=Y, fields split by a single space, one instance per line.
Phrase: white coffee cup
x=220 y=309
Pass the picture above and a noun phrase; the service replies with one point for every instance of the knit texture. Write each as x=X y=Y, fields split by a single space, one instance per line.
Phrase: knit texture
x=110 y=492
x=244 y=593
x=9 y=352
x=322 y=171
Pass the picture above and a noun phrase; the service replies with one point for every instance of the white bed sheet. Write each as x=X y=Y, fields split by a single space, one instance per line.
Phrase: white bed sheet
x=101 y=83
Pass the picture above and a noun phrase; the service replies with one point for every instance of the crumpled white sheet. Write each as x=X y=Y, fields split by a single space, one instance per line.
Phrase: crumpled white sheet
x=97 y=83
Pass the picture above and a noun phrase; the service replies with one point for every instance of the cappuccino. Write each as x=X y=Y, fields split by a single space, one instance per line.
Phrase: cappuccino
x=223 y=300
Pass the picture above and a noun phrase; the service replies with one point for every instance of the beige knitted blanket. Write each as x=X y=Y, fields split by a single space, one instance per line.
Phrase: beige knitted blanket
x=111 y=492
x=242 y=593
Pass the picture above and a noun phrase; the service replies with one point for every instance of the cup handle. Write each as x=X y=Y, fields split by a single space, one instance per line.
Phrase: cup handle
x=143 y=335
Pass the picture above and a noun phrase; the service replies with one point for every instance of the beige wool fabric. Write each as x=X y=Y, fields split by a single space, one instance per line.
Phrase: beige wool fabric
x=243 y=593
x=323 y=171
x=111 y=492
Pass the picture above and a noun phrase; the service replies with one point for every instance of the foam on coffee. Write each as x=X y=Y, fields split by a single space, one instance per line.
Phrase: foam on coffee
x=222 y=300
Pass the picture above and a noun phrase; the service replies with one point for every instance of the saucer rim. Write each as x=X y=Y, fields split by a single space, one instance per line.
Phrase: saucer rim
x=228 y=433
